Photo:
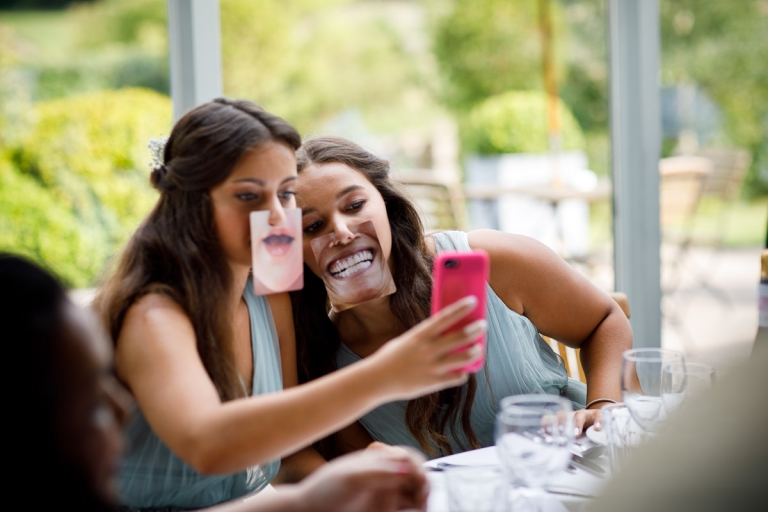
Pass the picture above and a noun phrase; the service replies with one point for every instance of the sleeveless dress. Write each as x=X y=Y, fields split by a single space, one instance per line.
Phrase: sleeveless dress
x=152 y=477
x=518 y=361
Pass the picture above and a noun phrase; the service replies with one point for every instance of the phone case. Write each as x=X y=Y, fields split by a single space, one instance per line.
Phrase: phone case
x=456 y=275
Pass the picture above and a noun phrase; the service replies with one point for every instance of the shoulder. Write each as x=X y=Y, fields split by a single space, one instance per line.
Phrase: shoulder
x=509 y=248
x=154 y=309
x=519 y=265
x=153 y=324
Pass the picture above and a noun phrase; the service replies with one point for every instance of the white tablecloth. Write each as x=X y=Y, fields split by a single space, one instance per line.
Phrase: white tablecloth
x=577 y=482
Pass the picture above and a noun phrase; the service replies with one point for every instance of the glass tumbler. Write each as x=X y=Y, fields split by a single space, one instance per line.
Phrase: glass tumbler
x=473 y=488
x=622 y=433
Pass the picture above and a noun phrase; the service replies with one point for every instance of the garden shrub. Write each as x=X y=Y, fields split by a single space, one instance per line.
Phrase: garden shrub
x=76 y=184
x=516 y=122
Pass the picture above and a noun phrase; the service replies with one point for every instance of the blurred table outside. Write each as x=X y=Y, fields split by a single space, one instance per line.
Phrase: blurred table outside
x=549 y=193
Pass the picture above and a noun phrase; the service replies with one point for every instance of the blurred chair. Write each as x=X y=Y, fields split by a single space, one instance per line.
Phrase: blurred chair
x=681 y=183
x=441 y=202
x=723 y=187
x=572 y=356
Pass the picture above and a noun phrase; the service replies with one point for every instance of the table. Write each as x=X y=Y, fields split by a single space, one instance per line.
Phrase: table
x=547 y=193
x=556 y=215
x=577 y=482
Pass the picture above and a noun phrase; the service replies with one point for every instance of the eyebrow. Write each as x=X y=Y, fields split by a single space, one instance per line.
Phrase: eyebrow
x=338 y=196
x=262 y=182
x=347 y=191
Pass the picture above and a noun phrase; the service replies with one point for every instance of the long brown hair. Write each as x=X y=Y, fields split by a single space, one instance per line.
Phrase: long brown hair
x=176 y=250
x=317 y=339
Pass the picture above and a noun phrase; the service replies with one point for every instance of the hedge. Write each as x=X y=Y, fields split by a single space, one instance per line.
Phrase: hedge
x=75 y=185
x=516 y=122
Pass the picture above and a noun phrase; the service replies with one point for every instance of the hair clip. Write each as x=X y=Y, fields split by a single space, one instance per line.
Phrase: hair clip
x=157 y=148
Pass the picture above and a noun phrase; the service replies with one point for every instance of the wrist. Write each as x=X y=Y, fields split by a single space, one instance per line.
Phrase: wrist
x=375 y=380
x=599 y=403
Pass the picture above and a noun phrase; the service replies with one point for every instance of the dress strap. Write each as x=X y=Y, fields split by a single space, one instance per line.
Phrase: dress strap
x=451 y=241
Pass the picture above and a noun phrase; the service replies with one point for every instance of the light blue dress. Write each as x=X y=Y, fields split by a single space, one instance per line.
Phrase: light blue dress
x=518 y=361
x=153 y=477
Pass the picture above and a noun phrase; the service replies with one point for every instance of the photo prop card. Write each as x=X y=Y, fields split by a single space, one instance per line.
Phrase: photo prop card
x=278 y=263
x=354 y=271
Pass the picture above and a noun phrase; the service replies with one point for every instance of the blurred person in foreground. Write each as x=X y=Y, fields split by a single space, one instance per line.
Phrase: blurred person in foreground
x=72 y=409
x=714 y=457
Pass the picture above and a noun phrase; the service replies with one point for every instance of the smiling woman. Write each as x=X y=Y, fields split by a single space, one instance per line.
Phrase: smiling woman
x=342 y=185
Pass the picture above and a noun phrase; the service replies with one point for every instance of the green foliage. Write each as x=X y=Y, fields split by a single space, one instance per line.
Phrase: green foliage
x=486 y=47
x=76 y=185
x=309 y=60
x=34 y=223
x=516 y=122
x=721 y=45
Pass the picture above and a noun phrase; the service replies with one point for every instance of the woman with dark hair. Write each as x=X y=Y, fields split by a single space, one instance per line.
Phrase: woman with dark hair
x=203 y=356
x=74 y=407
x=530 y=291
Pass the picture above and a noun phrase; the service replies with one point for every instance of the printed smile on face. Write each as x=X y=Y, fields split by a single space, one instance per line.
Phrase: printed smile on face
x=333 y=197
x=263 y=180
x=353 y=267
x=277 y=256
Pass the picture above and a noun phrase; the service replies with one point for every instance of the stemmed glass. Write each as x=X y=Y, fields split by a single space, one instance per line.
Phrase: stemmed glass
x=680 y=381
x=641 y=384
x=533 y=437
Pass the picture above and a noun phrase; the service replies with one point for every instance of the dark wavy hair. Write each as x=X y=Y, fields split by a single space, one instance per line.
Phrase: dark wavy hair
x=176 y=250
x=317 y=340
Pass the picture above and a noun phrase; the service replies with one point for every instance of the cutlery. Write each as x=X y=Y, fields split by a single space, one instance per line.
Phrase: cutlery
x=587 y=452
x=586 y=465
x=441 y=466
x=569 y=492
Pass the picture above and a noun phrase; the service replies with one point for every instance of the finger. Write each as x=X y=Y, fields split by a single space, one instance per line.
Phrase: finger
x=466 y=336
x=578 y=424
x=453 y=362
x=448 y=316
x=377 y=445
x=598 y=424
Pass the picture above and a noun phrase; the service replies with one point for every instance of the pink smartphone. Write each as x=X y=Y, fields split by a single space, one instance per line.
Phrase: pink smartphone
x=456 y=275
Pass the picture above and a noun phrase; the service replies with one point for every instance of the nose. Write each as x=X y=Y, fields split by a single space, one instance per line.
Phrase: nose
x=276 y=213
x=342 y=235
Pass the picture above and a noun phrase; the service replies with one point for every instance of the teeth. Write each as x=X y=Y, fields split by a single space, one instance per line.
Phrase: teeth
x=357 y=267
x=352 y=264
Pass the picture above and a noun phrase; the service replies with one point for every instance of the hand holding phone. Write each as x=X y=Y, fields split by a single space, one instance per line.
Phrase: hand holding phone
x=456 y=275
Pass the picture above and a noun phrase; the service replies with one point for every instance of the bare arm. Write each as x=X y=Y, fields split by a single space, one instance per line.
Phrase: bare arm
x=157 y=358
x=363 y=481
x=534 y=281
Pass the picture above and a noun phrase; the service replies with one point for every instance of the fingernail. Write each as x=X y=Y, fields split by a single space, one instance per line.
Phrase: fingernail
x=475 y=328
x=470 y=300
x=576 y=431
x=598 y=425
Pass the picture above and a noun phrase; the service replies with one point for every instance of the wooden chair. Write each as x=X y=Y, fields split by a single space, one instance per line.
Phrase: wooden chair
x=681 y=184
x=572 y=356
x=441 y=202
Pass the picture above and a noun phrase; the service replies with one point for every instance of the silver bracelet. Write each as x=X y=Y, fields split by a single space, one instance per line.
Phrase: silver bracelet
x=597 y=401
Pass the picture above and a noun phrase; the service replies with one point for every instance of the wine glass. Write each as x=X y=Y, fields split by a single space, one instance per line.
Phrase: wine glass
x=533 y=437
x=680 y=381
x=641 y=376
